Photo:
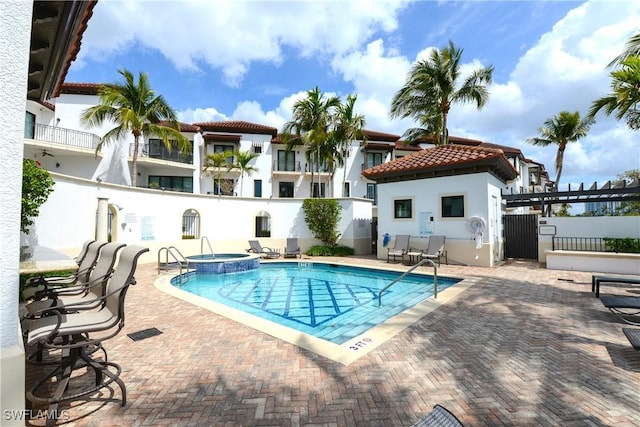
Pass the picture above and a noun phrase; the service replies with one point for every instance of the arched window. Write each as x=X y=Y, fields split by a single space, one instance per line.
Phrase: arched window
x=190 y=224
x=263 y=224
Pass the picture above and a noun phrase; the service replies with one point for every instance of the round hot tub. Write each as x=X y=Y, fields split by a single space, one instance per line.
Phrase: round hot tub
x=223 y=263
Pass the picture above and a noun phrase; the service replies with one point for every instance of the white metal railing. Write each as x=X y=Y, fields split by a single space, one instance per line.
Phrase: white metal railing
x=63 y=136
x=424 y=260
x=202 y=240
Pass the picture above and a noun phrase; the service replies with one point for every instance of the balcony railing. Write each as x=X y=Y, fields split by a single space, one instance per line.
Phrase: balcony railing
x=161 y=152
x=286 y=166
x=58 y=135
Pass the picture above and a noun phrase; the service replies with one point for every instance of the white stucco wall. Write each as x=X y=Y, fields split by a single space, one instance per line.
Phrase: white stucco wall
x=479 y=191
x=15 y=34
x=154 y=218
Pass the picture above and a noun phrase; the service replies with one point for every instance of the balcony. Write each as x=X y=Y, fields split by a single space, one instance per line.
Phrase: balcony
x=322 y=169
x=62 y=136
x=286 y=168
x=160 y=152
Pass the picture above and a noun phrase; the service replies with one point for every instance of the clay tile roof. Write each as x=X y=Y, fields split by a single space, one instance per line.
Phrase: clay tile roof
x=237 y=126
x=373 y=135
x=184 y=127
x=221 y=137
x=81 y=88
x=444 y=160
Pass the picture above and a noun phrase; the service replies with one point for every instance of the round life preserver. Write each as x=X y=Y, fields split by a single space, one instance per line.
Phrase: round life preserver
x=477 y=225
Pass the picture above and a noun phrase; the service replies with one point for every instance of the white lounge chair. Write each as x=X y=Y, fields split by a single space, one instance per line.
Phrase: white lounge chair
x=400 y=247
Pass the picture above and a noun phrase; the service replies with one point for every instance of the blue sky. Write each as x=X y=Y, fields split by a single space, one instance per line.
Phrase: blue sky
x=251 y=60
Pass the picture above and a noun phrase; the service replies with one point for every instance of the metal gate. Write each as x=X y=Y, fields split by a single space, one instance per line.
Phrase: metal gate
x=521 y=236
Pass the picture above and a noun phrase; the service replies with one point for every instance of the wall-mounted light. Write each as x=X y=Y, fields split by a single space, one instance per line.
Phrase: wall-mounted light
x=123 y=225
x=57 y=165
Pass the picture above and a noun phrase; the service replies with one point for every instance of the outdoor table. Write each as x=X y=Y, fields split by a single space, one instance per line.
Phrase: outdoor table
x=40 y=259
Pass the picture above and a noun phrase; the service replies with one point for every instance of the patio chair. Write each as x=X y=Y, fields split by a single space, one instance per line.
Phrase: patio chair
x=85 y=292
x=624 y=307
x=263 y=251
x=400 y=247
x=292 y=249
x=596 y=281
x=41 y=283
x=438 y=417
x=74 y=336
x=435 y=249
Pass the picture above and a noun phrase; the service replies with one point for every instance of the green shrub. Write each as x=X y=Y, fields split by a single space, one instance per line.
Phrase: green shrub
x=188 y=237
x=321 y=250
x=36 y=187
x=322 y=216
x=625 y=245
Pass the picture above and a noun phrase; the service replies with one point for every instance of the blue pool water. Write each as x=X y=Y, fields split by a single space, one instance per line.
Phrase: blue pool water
x=332 y=302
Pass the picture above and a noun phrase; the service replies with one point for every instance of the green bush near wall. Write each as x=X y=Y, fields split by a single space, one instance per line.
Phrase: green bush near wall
x=624 y=245
x=322 y=250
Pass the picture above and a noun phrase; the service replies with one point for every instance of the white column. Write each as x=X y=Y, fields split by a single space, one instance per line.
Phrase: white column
x=102 y=232
x=15 y=33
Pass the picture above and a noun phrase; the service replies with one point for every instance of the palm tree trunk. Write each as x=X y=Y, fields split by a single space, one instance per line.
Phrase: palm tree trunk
x=134 y=163
x=559 y=162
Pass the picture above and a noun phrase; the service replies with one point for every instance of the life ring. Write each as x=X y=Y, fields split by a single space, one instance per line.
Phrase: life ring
x=477 y=225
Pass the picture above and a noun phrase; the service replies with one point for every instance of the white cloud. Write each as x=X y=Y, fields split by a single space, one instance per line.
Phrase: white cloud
x=230 y=35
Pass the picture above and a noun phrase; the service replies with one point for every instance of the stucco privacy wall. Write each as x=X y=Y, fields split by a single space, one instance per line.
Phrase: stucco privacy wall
x=481 y=197
x=15 y=34
x=154 y=218
x=591 y=226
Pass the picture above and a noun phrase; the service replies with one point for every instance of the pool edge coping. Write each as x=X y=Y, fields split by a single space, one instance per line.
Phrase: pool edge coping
x=345 y=353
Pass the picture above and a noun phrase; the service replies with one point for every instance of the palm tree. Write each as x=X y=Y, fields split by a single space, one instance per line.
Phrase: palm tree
x=624 y=98
x=348 y=128
x=632 y=48
x=217 y=163
x=310 y=125
x=242 y=164
x=432 y=87
x=135 y=108
x=562 y=129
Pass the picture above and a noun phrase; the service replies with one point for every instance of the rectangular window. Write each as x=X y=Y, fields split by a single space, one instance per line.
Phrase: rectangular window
x=346 y=189
x=453 y=207
x=222 y=148
x=29 y=125
x=402 y=208
x=183 y=184
x=372 y=193
x=223 y=187
x=373 y=159
x=315 y=190
x=286 y=161
x=285 y=190
x=257 y=188
x=263 y=225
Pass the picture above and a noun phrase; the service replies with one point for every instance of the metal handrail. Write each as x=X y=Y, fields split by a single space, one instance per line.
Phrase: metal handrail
x=202 y=239
x=177 y=256
x=435 y=279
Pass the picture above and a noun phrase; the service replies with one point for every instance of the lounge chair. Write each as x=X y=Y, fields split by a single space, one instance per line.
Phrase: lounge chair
x=438 y=417
x=87 y=292
x=292 y=249
x=597 y=280
x=633 y=335
x=74 y=335
x=263 y=251
x=435 y=250
x=623 y=307
x=83 y=251
x=400 y=247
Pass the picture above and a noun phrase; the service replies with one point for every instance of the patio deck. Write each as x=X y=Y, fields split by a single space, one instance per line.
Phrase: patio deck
x=523 y=346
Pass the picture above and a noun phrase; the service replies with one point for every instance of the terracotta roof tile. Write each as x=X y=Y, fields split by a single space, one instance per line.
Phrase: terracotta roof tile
x=443 y=158
x=237 y=126
x=373 y=135
x=81 y=88
x=184 y=127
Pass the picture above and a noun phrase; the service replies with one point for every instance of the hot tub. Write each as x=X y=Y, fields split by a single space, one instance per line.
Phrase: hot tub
x=223 y=263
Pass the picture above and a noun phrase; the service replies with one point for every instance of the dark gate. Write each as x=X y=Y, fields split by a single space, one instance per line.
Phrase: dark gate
x=521 y=236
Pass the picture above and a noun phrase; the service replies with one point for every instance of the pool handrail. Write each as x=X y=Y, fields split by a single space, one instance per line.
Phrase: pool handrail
x=202 y=240
x=177 y=256
x=397 y=279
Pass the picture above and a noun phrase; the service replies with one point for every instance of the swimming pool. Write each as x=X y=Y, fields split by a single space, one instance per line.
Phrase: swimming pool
x=223 y=263
x=332 y=302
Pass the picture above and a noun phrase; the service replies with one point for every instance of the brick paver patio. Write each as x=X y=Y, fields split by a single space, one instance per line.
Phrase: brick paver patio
x=524 y=346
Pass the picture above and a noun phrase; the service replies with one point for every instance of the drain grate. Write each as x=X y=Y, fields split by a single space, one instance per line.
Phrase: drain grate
x=145 y=333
